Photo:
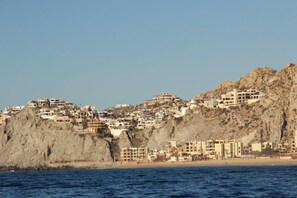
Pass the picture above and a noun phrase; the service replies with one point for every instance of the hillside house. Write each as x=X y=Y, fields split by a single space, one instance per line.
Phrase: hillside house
x=237 y=97
x=95 y=125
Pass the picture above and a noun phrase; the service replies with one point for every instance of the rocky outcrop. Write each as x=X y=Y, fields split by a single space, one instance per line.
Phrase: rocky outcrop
x=270 y=119
x=28 y=141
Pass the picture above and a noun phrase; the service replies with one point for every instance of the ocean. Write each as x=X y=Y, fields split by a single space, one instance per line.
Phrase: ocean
x=228 y=181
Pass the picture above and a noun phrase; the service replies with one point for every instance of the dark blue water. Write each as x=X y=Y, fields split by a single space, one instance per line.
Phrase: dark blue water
x=256 y=181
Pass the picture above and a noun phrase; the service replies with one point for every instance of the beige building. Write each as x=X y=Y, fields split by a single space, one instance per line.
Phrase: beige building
x=195 y=147
x=257 y=147
x=43 y=102
x=228 y=149
x=95 y=125
x=219 y=150
x=210 y=150
x=237 y=97
x=163 y=98
x=47 y=113
x=294 y=142
x=64 y=119
x=134 y=154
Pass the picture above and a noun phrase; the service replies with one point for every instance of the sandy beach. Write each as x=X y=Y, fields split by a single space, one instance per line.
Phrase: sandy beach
x=228 y=162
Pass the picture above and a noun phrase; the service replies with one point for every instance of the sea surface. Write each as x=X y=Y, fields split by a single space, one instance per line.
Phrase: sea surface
x=230 y=181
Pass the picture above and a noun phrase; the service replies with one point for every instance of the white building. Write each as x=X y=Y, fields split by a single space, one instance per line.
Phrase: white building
x=121 y=105
x=56 y=102
x=47 y=113
x=11 y=110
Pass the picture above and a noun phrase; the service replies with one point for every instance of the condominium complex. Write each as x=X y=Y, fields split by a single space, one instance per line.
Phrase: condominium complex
x=215 y=149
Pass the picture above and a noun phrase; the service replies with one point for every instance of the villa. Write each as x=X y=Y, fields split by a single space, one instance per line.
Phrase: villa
x=237 y=97
x=95 y=125
x=231 y=99
x=163 y=98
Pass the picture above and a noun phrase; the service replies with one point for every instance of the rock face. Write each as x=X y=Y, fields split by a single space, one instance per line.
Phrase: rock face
x=273 y=118
x=28 y=141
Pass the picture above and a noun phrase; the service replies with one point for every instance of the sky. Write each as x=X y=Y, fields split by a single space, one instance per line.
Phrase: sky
x=111 y=52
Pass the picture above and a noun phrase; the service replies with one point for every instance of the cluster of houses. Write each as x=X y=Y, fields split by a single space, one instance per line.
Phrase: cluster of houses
x=61 y=111
x=152 y=113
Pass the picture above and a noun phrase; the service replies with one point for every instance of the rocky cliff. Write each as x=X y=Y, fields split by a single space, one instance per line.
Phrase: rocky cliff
x=28 y=141
x=273 y=118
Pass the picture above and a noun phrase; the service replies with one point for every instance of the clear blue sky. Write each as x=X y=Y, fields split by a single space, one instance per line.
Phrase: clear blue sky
x=109 y=52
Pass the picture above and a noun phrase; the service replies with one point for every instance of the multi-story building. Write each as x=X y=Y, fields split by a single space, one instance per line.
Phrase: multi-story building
x=215 y=149
x=163 y=98
x=210 y=147
x=43 y=102
x=57 y=102
x=47 y=113
x=133 y=154
x=232 y=150
x=195 y=147
x=237 y=97
x=95 y=125
x=166 y=97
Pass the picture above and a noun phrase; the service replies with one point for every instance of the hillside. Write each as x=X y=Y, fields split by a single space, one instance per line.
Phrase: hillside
x=28 y=141
x=270 y=119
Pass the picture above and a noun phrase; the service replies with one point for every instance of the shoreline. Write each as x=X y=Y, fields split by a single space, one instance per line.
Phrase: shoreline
x=135 y=165
x=210 y=163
